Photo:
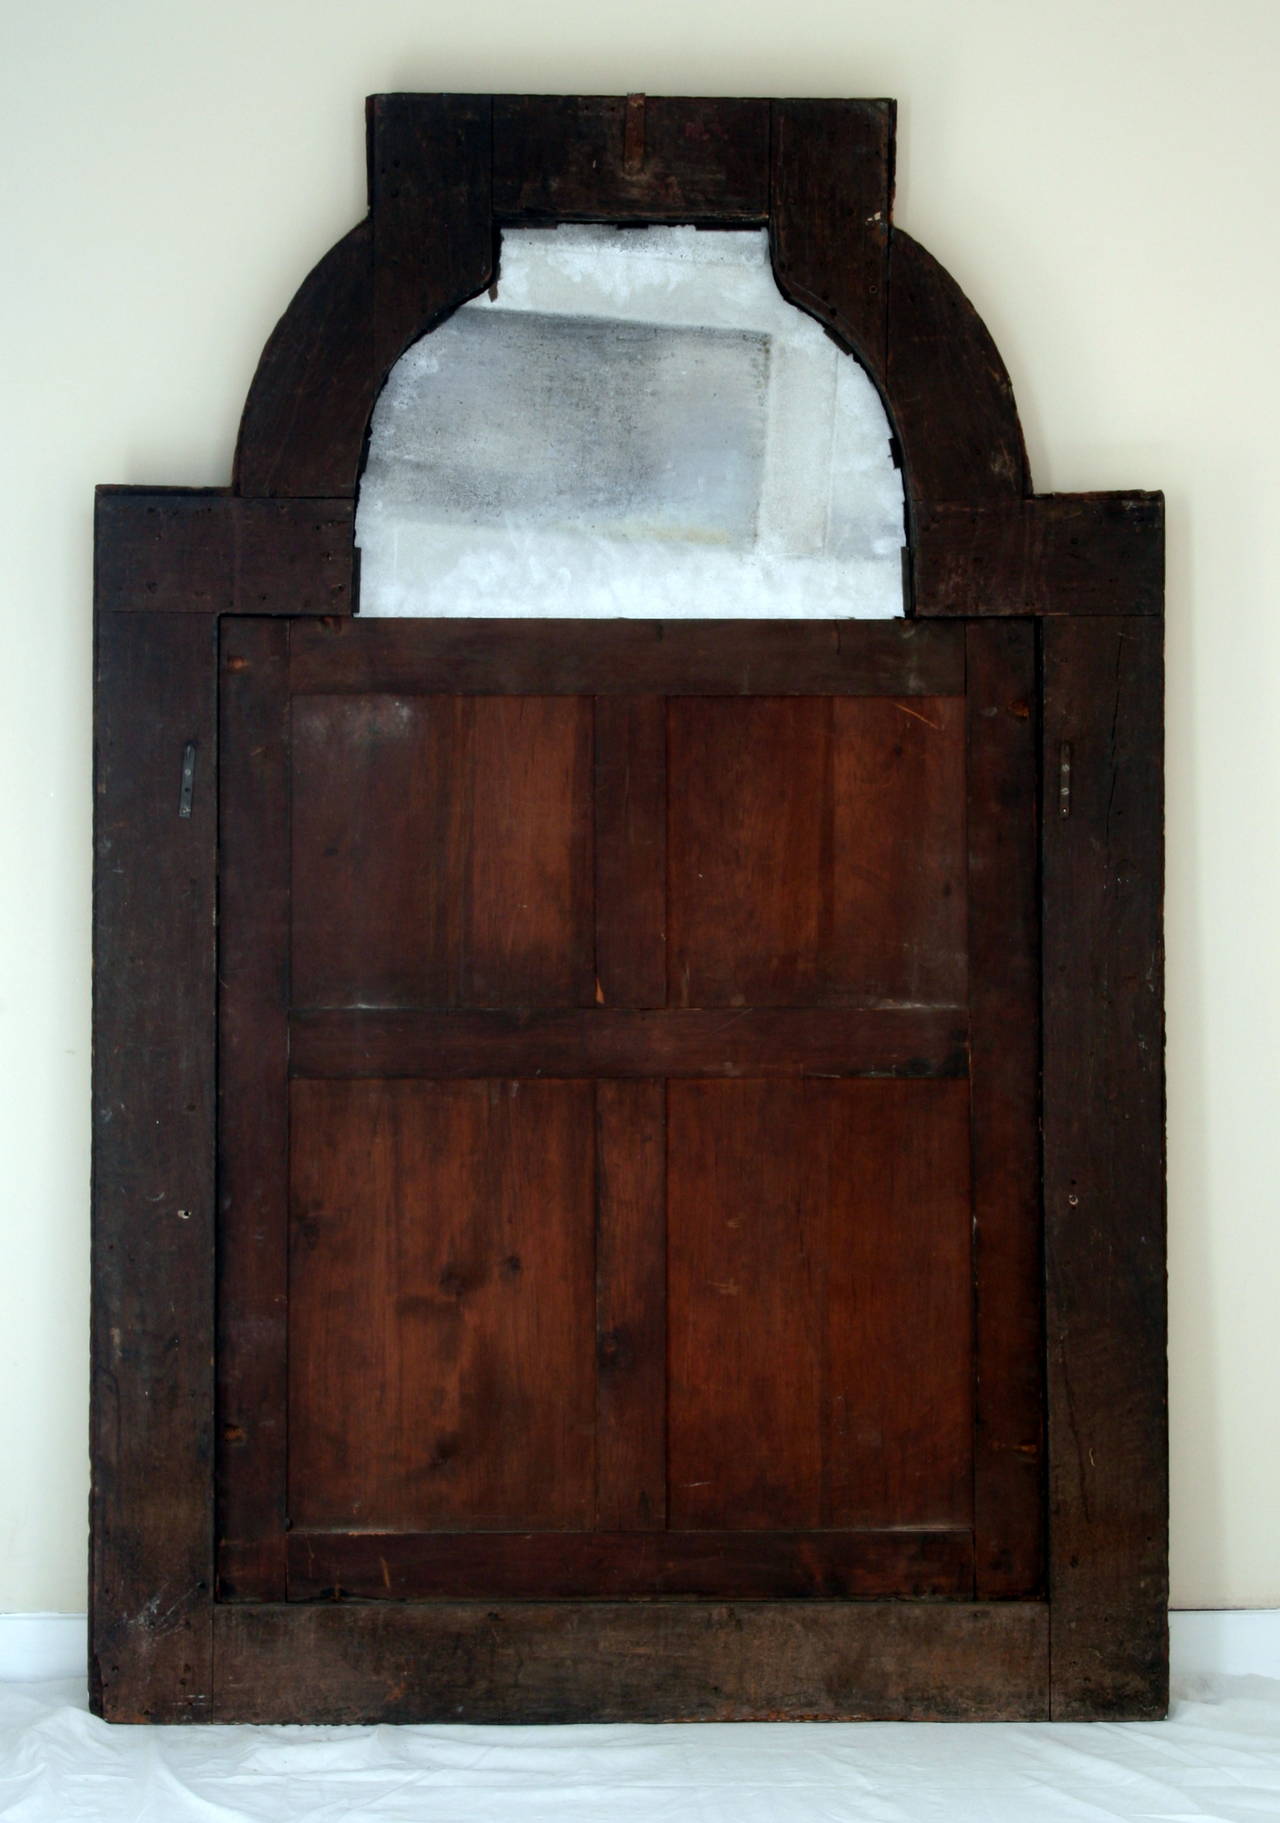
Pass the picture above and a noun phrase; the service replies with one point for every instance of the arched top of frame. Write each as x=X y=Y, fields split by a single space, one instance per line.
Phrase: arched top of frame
x=446 y=173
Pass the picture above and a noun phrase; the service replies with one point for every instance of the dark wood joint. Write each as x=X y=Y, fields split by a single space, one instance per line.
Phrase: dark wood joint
x=1050 y=554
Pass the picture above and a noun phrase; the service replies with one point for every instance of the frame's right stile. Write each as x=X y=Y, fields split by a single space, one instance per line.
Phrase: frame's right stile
x=1078 y=580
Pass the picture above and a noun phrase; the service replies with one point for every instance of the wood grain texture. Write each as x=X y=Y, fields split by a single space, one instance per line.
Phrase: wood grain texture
x=253 y=1109
x=947 y=390
x=633 y=1661
x=638 y=158
x=442 y=852
x=430 y=159
x=1104 y=1208
x=631 y=850
x=735 y=1041
x=201 y=551
x=831 y=201
x=442 y=1305
x=816 y=852
x=629 y=657
x=151 y=1504
x=631 y=1307
x=819 y=1304
x=1004 y=1051
x=605 y=1565
x=1051 y=554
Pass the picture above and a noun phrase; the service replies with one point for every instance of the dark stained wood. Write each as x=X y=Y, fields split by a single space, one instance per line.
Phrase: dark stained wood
x=631 y=1314
x=830 y=205
x=641 y=158
x=947 y=390
x=304 y=421
x=628 y=657
x=442 y=1305
x=1104 y=1168
x=200 y=551
x=442 y=851
x=735 y=1041
x=604 y=1565
x=151 y=1505
x=819 y=1304
x=816 y=851
x=633 y=1661
x=1004 y=1049
x=1051 y=554
x=430 y=159
x=631 y=850
x=253 y=1109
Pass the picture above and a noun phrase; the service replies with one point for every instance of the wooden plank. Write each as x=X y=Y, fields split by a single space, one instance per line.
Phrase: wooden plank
x=151 y=1506
x=442 y=1306
x=442 y=851
x=609 y=1565
x=634 y=158
x=574 y=657
x=200 y=551
x=253 y=1108
x=947 y=389
x=816 y=851
x=334 y=1662
x=1104 y=1166
x=631 y=850
x=819 y=1304
x=631 y=1315
x=830 y=207
x=737 y=1041
x=1004 y=1046
x=430 y=159
x=1051 y=554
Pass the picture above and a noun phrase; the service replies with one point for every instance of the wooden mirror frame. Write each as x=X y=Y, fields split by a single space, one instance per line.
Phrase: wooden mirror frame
x=446 y=173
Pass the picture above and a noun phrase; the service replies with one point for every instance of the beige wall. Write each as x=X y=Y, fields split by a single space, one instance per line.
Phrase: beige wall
x=1103 y=177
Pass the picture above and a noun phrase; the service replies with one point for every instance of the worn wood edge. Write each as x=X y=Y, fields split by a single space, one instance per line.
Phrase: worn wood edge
x=337 y=1662
x=1050 y=554
x=1104 y=1167
x=205 y=551
x=152 y=1169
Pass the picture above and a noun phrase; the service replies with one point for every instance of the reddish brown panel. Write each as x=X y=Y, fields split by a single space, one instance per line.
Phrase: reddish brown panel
x=1004 y=956
x=832 y=197
x=1052 y=554
x=441 y=1313
x=633 y=1661
x=550 y=1566
x=768 y=1041
x=947 y=388
x=630 y=657
x=631 y=1296
x=631 y=851
x=616 y=158
x=253 y=1108
x=816 y=851
x=1104 y=1208
x=442 y=851
x=819 y=1304
x=155 y=850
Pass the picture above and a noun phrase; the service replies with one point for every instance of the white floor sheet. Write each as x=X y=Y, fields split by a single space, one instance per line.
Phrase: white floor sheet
x=1218 y=1757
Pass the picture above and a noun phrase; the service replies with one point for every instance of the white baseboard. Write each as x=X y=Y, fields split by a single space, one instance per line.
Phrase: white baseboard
x=1213 y=1642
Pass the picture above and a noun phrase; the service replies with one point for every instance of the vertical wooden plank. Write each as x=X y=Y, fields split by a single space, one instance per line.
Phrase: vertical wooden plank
x=631 y=1297
x=253 y=1108
x=831 y=200
x=153 y=1167
x=631 y=850
x=441 y=1305
x=1104 y=1166
x=1004 y=1025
